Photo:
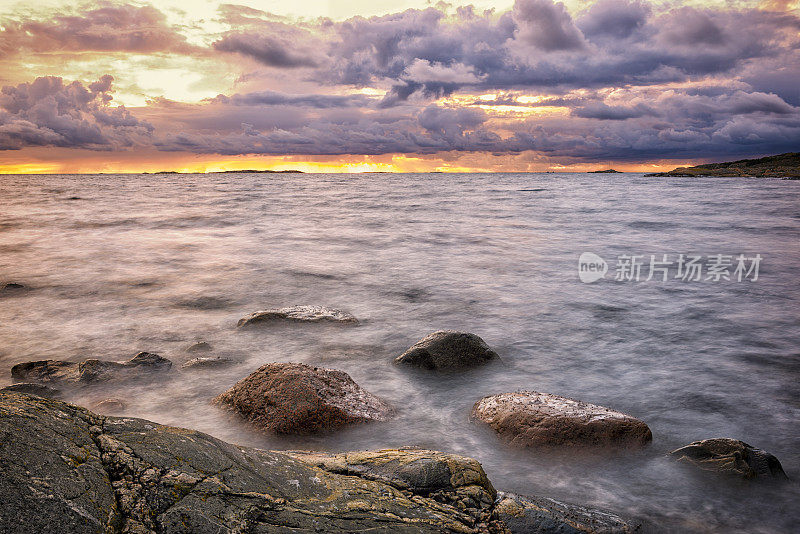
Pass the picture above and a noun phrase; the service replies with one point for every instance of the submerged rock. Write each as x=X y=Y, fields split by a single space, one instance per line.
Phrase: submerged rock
x=33 y=389
x=200 y=346
x=533 y=419
x=12 y=288
x=294 y=398
x=70 y=471
x=110 y=406
x=547 y=516
x=730 y=456
x=300 y=314
x=89 y=371
x=206 y=362
x=448 y=350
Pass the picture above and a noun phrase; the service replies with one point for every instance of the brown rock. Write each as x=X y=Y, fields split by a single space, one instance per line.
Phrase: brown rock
x=448 y=350
x=90 y=370
x=533 y=419
x=298 y=314
x=293 y=398
x=730 y=456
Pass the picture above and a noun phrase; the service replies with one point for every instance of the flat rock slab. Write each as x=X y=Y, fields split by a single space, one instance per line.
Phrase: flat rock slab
x=69 y=471
x=294 y=398
x=730 y=456
x=89 y=371
x=298 y=314
x=522 y=513
x=446 y=349
x=533 y=419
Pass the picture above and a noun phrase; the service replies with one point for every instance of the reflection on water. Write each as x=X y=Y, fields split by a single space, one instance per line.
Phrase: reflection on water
x=121 y=264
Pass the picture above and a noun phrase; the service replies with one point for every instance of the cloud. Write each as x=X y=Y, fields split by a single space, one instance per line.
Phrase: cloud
x=275 y=49
x=110 y=28
x=48 y=112
x=546 y=26
x=621 y=79
x=423 y=71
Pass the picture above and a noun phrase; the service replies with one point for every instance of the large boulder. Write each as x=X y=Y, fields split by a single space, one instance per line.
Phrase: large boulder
x=298 y=314
x=89 y=371
x=70 y=471
x=730 y=456
x=445 y=349
x=533 y=419
x=294 y=398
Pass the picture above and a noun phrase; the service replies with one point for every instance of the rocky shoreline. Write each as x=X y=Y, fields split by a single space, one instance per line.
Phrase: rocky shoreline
x=779 y=166
x=69 y=470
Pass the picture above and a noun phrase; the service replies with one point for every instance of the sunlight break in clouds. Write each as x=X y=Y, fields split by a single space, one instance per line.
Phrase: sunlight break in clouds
x=529 y=86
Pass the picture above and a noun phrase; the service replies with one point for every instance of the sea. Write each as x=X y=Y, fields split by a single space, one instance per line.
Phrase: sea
x=675 y=300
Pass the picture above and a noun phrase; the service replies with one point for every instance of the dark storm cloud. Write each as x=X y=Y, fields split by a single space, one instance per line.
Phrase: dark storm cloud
x=547 y=26
x=538 y=45
x=110 y=28
x=270 y=50
x=48 y=112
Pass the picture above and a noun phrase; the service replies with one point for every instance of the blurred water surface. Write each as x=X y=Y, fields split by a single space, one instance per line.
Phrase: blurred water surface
x=123 y=263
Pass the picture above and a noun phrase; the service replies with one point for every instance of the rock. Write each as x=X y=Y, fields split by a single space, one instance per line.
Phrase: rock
x=532 y=419
x=206 y=362
x=448 y=350
x=33 y=389
x=200 y=346
x=109 y=406
x=547 y=516
x=294 y=398
x=70 y=471
x=12 y=288
x=300 y=314
x=89 y=371
x=419 y=471
x=730 y=456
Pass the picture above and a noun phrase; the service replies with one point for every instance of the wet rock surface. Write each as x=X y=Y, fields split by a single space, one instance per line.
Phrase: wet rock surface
x=294 y=398
x=298 y=314
x=533 y=419
x=69 y=470
x=32 y=388
x=730 y=456
x=445 y=350
x=89 y=371
x=541 y=515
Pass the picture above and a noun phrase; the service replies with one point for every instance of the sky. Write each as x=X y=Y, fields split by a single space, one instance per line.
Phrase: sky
x=395 y=85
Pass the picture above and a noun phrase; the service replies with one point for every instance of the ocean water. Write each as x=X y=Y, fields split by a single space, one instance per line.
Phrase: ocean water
x=124 y=263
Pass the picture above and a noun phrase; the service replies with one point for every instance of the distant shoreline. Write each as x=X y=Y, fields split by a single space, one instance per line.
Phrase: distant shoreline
x=779 y=166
